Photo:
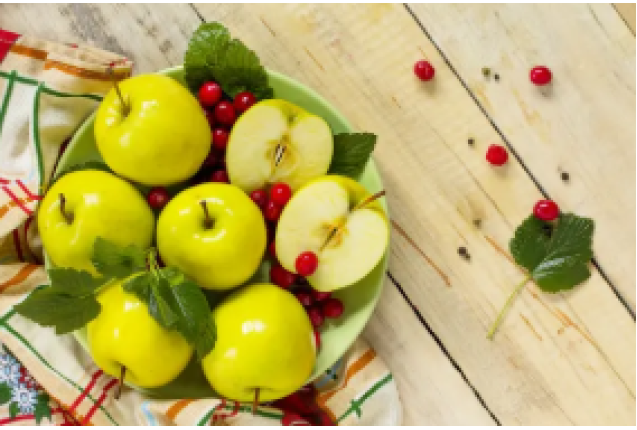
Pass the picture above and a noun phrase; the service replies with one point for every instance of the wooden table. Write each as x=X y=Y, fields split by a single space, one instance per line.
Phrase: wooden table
x=558 y=359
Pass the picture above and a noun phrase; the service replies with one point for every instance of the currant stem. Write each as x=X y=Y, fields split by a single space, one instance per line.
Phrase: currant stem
x=120 y=382
x=255 y=402
x=125 y=107
x=67 y=216
x=207 y=223
x=506 y=306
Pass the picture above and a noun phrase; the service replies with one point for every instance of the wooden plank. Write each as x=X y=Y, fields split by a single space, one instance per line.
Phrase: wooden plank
x=584 y=126
x=431 y=390
x=627 y=12
x=540 y=369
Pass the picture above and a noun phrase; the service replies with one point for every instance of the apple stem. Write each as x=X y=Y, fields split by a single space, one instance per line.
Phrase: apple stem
x=125 y=107
x=67 y=216
x=369 y=199
x=120 y=382
x=255 y=402
x=207 y=220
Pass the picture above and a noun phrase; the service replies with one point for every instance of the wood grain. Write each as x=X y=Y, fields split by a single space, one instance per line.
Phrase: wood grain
x=431 y=389
x=360 y=58
x=584 y=124
x=627 y=12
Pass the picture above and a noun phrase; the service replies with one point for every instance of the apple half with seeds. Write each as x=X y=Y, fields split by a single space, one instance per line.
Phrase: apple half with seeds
x=277 y=141
x=336 y=218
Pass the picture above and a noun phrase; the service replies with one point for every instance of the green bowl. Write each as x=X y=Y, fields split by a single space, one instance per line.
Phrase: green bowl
x=359 y=300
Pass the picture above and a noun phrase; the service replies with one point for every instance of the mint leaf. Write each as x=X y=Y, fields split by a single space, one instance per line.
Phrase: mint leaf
x=14 y=409
x=67 y=304
x=351 y=153
x=213 y=56
x=42 y=409
x=5 y=393
x=559 y=262
x=114 y=261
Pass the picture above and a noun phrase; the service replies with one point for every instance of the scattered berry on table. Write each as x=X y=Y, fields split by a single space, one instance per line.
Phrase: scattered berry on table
x=272 y=249
x=219 y=176
x=305 y=298
x=260 y=198
x=281 y=277
x=424 y=70
x=316 y=316
x=319 y=296
x=158 y=197
x=272 y=211
x=219 y=138
x=306 y=263
x=546 y=210
x=209 y=94
x=243 y=101
x=540 y=75
x=280 y=193
x=332 y=308
x=224 y=113
x=317 y=338
x=497 y=155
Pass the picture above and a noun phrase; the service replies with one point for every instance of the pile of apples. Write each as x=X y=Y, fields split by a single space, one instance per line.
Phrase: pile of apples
x=268 y=193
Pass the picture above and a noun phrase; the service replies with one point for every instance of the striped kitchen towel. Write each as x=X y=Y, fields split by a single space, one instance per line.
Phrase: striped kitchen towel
x=46 y=90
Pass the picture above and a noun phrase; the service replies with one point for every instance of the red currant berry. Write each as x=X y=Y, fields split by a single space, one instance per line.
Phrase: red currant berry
x=224 y=113
x=213 y=158
x=209 y=94
x=316 y=317
x=219 y=139
x=317 y=338
x=305 y=298
x=243 y=101
x=424 y=70
x=272 y=211
x=306 y=263
x=210 y=116
x=319 y=296
x=293 y=419
x=219 y=176
x=332 y=308
x=158 y=197
x=259 y=197
x=280 y=193
x=272 y=249
x=497 y=155
x=546 y=210
x=281 y=277
x=540 y=75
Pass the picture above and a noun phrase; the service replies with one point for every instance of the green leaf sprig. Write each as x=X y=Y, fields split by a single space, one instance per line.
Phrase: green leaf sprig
x=351 y=153
x=213 y=56
x=174 y=301
x=555 y=257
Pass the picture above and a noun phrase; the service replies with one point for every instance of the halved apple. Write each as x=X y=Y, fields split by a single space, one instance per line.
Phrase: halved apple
x=277 y=141
x=333 y=218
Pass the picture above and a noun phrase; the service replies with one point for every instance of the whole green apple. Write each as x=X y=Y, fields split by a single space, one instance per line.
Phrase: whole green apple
x=84 y=205
x=125 y=335
x=160 y=136
x=264 y=340
x=214 y=233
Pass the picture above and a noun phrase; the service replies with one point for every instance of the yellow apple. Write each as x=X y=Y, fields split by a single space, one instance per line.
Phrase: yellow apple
x=264 y=340
x=277 y=141
x=325 y=217
x=219 y=250
x=124 y=334
x=96 y=204
x=163 y=138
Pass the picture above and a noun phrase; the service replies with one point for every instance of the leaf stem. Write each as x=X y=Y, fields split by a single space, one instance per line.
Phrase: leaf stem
x=506 y=306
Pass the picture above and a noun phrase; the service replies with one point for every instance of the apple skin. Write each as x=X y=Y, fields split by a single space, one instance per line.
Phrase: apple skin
x=102 y=205
x=264 y=339
x=125 y=334
x=222 y=257
x=164 y=139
